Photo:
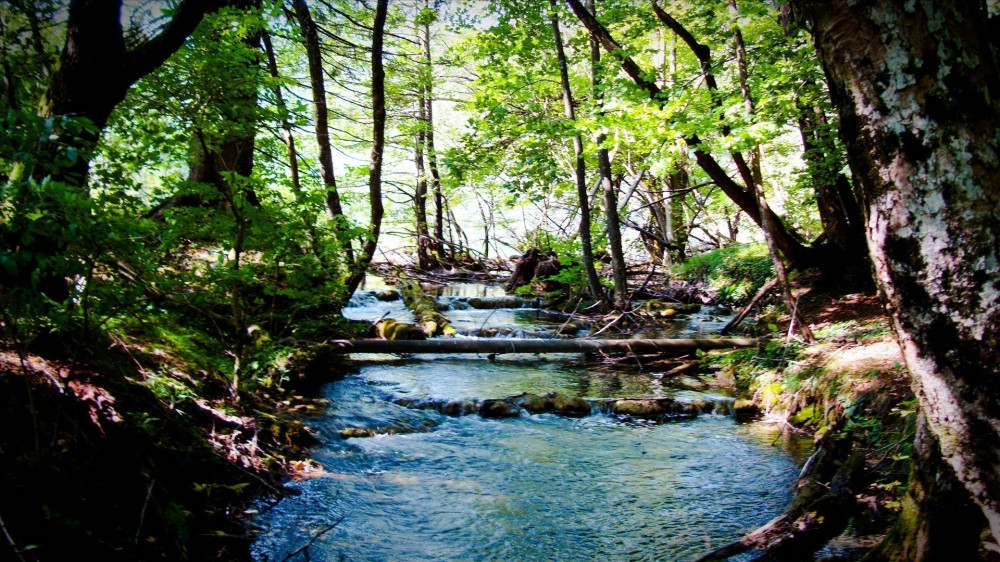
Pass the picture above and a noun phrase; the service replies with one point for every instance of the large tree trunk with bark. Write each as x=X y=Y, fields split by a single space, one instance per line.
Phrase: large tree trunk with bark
x=95 y=53
x=96 y=68
x=916 y=89
x=939 y=520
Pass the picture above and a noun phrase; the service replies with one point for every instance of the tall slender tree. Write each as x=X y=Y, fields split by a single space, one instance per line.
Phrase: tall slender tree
x=367 y=252
x=580 y=165
x=619 y=270
x=310 y=36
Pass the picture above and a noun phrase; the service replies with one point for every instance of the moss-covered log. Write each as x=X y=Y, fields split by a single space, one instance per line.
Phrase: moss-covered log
x=425 y=308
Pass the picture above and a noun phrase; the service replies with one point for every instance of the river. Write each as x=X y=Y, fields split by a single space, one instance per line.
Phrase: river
x=532 y=487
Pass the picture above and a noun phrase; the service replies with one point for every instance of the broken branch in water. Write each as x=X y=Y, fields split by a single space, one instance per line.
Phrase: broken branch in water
x=302 y=549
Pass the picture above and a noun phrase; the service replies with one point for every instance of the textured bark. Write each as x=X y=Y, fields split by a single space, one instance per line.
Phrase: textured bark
x=580 y=168
x=613 y=225
x=378 y=145
x=915 y=86
x=794 y=250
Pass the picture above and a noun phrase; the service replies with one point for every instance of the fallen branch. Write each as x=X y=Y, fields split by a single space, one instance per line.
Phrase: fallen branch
x=312 y=540
x=10 y=540
x=746 y=310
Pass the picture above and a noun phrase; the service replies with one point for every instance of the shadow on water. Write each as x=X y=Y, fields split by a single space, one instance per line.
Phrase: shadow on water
x=533 y=487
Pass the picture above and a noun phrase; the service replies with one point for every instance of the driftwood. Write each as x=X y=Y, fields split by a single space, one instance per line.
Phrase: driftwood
x=494 y=345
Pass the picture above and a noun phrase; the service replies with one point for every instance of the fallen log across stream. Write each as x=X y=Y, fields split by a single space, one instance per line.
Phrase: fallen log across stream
x=495 y=345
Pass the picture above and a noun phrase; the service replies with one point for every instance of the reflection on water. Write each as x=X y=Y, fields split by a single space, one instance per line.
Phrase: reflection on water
x=536 y=487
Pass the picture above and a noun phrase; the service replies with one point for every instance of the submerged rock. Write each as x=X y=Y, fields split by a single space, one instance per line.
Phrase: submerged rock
x=401 y=429
x=745 y=409
x=553 y=402
x=491 y=408
x=652 y=408
x=388 y=295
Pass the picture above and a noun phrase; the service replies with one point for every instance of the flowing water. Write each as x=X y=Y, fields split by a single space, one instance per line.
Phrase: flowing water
x=533 y=487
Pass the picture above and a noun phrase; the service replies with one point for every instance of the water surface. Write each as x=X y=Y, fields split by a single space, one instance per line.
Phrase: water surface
x=535 y=487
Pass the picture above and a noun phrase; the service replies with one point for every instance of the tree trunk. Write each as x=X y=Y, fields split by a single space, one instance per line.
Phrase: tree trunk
x=756 y=185
x=310 y=34
x=614 y=229
x=378 y=145
x=580 y=168
x=915 y=87
x=426 y=259
x=677 y=226
x=95 y=53
x=438 y=242
x=293 y=155
x=843 y=223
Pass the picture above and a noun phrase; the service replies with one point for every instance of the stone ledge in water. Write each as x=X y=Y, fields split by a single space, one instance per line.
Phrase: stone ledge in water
x=453 y=408
x=659 y=408
x=553 y=403
x=492 y=408
x=401 y=429
x=655 y=409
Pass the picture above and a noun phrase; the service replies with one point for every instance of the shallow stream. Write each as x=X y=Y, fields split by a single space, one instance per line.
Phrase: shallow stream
x=533 y=487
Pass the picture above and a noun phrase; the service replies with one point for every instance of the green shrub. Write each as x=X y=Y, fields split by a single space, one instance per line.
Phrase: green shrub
x=735 y=272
